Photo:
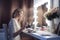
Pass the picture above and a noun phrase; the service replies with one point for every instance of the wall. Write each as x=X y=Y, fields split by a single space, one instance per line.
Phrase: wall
x=0 y=11
x=5 y=11
x=8 y=6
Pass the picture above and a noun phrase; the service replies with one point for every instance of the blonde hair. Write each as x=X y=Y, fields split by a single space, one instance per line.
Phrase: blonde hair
x=16 y=13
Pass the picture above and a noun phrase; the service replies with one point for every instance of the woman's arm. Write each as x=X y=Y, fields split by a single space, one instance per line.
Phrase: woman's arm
x=12 y=32
x=18 y=32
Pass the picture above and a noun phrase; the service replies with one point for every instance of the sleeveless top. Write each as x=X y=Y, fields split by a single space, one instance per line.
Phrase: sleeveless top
x=14 y=26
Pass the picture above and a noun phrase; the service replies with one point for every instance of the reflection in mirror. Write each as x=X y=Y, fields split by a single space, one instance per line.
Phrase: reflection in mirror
x=40 y=7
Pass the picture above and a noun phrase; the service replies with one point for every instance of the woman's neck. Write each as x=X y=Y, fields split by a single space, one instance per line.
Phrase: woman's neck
x=16 y=18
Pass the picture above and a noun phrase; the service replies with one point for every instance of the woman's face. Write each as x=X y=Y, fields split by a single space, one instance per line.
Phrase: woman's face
x=21 y=14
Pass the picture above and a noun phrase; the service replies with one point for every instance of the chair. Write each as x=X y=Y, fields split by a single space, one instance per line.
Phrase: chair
x=3 y=32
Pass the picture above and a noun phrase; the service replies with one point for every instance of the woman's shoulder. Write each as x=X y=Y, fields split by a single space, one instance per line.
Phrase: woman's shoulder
x=11 y=20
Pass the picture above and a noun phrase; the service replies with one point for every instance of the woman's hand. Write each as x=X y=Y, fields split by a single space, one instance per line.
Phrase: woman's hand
x=24 y=25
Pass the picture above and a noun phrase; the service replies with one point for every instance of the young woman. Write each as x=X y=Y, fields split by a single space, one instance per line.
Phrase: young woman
x=14 y=26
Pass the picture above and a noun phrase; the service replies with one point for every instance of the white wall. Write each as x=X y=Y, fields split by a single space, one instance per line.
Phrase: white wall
x=55 y=3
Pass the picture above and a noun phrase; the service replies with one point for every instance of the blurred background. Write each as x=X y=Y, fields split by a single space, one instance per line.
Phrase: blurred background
x=34 y=11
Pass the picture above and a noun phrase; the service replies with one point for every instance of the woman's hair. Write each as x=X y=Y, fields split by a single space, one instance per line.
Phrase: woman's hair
x=16 y=13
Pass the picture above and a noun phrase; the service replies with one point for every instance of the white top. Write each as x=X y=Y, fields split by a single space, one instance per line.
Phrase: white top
x=13 y=27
